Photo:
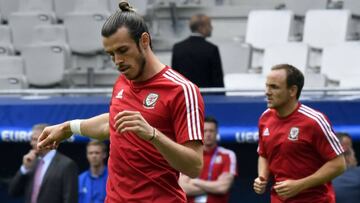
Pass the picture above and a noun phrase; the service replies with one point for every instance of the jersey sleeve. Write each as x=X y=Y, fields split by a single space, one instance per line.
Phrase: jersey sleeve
x=188 y=113
x=325 y=140
x=260 y=148
x=230 y=166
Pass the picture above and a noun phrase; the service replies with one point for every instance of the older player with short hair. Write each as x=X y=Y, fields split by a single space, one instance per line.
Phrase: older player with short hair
x=298 y=149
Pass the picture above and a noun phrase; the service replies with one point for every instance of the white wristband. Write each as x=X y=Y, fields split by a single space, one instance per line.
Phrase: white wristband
x=75 y=126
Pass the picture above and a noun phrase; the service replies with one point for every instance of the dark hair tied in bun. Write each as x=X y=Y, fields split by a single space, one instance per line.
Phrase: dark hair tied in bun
x=125 y=6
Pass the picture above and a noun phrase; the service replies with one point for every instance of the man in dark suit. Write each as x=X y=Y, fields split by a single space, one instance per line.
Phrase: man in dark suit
x=45 y=176
x=196 y=58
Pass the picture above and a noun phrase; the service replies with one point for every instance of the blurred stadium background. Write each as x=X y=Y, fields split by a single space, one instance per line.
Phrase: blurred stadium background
x=53 y=68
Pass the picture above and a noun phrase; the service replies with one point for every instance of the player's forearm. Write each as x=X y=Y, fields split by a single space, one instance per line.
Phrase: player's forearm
x=326 y=173
x=96 y=127
x=220 y=186
x=263 y=167
x=191 y=189
x=187 y=158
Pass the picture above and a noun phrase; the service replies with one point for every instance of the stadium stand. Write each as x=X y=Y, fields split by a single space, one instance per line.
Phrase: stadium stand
x=6 y=47
x=63 y=7
x=353 y=6
x=277 y=24
x=12 y=73
x=7 y=7
x=85 y=40
x=318 y=33
x=301 y=7
x=30 y=14
x=49 y=53
x=341 y=63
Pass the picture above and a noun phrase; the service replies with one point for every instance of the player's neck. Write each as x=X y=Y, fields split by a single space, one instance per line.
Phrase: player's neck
x=287 y=109
x=96 y=171
x=208 y=148
x=153 y=66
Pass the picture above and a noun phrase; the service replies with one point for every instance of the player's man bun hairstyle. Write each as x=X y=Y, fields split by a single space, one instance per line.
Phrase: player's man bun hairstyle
x=125 y=17
x=125 y=6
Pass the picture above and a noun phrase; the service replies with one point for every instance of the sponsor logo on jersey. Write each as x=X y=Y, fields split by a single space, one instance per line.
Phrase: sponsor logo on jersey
x=151 y=100
x=266 y=132
x=120 y=94
x=294 y=134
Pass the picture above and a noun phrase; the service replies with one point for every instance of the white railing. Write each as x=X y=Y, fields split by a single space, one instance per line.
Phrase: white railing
x=243 y=92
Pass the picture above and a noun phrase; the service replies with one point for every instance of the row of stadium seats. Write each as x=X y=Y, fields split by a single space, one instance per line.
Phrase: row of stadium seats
x=74 y=53
x=339 y=66
x=62 y=7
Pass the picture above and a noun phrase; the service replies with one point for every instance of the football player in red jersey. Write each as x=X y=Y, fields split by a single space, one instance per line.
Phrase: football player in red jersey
x=298 y=149
x=215 y=180
x=155 y=120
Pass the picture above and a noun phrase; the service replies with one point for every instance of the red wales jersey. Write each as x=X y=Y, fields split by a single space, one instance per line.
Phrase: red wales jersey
x=137 y=171
x=217 y=161
x=297 y=146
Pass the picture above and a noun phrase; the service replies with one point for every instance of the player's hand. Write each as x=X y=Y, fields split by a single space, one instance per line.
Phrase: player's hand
x=29 y=159
x=133 y=121
x=260 y=185
x=288 y=188
x=51 y=136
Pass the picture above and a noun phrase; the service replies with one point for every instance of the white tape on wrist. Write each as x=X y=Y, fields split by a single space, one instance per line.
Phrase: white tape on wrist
x=75 y=126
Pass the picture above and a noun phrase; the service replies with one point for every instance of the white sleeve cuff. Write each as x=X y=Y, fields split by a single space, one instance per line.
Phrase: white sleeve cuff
x=23 y=170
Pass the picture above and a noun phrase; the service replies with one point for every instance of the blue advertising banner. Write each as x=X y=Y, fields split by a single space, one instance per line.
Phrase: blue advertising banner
x=237 y=115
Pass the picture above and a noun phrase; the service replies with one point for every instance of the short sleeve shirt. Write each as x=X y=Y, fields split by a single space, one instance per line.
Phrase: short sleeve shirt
x=297 y=146
x=217 y=161
x=137 y=171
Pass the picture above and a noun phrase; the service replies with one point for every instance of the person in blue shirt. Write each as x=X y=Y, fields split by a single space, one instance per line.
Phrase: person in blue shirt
x=347 y=185
x=92 y=183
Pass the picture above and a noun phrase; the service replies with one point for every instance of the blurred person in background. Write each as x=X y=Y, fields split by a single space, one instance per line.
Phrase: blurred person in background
x=196 y=58
x=92 y=183
x=347 y=185
x=45 y=175
x=218 y=174
x=155 y=119
x=297 y=148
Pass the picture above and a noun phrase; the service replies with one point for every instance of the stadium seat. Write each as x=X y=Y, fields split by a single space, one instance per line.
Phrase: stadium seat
x=235 y=56
x=341 y=63
x=50 y=34
x=12 y=73
x=85 y=41
x=268 y=27
x=91 y=6
x=7 y=7
x=244 y=81
x=48 y=53
x=102 y=77
x=31 y=13
x=353 y=6
x=265 y=28
x=36 y=5
x=22 y=23
x=301 y=7
x=63 y=7
x=294 y=53
x=6 y=47
x=326 y=27
x=91 y=15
